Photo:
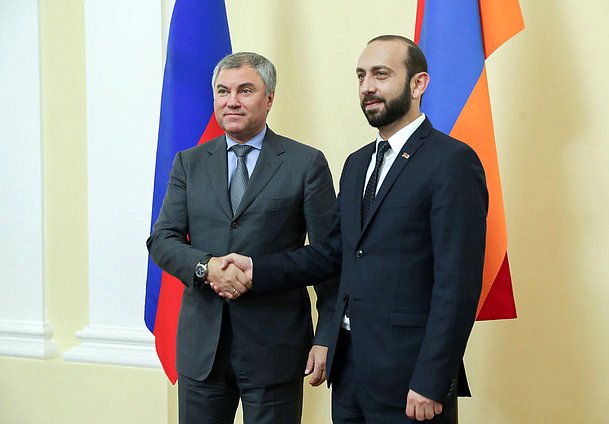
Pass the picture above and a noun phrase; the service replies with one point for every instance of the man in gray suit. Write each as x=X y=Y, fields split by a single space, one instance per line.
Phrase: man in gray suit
x=255 y=192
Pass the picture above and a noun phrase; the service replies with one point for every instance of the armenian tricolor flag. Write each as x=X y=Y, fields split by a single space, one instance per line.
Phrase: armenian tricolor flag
x=198 y=39
x=457 y=37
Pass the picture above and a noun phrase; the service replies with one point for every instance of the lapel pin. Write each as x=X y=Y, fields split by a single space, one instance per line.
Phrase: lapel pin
x=405 y=155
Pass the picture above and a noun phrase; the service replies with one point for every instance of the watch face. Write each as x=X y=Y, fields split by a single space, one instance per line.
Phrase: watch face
x=200 y=270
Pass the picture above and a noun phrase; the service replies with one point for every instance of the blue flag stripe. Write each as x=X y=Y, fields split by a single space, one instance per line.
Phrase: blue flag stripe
x=198 y=38
x=451 y=39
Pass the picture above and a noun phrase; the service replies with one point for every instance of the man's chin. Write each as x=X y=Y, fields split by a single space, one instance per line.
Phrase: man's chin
x=231 y=128
x=374 y=119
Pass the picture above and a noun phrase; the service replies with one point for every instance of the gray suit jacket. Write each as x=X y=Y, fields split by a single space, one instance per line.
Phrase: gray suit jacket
x=289 y=194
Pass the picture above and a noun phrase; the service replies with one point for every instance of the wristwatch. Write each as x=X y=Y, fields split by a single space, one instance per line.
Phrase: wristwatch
x=201 y=269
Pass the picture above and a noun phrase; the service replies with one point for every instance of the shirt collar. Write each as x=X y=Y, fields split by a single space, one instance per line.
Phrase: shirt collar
x=255 y=141
x=397 y=140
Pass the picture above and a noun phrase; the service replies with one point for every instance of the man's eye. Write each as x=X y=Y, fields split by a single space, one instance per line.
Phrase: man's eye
x=247 y=91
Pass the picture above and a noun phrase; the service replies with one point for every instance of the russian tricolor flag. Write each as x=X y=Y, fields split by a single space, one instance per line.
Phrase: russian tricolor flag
x=198 y=39
x=457 y=37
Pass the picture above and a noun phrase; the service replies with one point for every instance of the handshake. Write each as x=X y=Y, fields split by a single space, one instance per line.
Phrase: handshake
x=230 y=276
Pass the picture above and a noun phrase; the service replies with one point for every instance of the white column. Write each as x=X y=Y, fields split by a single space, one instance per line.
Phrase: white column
x=24 y=330
x=124 y=65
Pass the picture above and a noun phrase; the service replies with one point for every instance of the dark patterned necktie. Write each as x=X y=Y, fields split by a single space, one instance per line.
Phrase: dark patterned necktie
x=240 y=177
x=372 y=182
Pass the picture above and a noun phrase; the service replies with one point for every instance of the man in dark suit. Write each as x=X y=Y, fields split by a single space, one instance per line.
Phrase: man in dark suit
x=408 y=242
x=257 y=192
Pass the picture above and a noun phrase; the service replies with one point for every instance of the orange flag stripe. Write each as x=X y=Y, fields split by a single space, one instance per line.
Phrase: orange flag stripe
x=475 y=127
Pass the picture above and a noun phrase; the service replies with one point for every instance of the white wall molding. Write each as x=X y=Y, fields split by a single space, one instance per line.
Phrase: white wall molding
x=24 y=330
x=27 y=339
x=115 y=345
x=124 y=67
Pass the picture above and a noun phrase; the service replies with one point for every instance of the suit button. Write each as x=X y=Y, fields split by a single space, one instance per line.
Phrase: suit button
x=344 y=296
x=359 y=253
x=234 y=224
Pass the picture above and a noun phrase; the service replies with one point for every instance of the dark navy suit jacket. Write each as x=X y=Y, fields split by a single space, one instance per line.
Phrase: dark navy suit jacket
x=411 y=273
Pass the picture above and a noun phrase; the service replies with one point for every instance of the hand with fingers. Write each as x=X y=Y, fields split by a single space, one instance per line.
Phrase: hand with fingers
x=421 y=408
x=228 y=289
x=316 y=365
x=244 y=263
x=227 y=281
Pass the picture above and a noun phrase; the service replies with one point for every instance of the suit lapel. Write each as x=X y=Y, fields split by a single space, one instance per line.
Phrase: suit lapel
x=217 y=173
x=404 y=156
x=268 y=163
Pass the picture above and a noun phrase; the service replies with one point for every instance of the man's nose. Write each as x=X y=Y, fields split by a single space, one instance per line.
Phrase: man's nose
x=233 y=100
x=367 y=86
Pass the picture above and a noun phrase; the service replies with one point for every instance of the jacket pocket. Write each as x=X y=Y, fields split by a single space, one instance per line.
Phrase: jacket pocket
x=274 y=204
x=401 y=203
x=408 y=319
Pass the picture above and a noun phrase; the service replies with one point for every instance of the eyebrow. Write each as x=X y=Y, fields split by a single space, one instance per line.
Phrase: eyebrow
x=375 y=68
x=242 y=85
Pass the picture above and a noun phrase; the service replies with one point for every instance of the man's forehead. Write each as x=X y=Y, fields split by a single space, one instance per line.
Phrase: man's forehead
x=381 y=53
x=241 y=75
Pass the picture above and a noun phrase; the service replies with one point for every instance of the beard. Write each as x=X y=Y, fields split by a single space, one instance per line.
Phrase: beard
x=394 y=109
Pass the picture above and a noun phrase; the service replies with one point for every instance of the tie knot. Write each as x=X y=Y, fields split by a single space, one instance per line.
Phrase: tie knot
x=241 y=150
x=382 y=148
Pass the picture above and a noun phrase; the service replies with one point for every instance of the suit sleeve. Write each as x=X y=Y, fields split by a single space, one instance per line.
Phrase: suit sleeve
x=319 y=203
x=168 y=244
x=458 y=232
x=319 y=261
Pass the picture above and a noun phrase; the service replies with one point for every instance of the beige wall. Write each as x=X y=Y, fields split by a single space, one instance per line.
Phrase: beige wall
x=549 y=89
x=64 y=124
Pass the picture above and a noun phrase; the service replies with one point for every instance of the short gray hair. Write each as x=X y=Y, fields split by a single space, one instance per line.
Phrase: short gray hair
x=261 y=64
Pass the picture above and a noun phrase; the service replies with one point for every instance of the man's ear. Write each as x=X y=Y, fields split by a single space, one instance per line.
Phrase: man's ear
x=418 y=84
x=269 y=101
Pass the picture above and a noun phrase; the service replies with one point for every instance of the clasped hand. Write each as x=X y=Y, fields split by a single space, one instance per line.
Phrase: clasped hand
x=230 y=276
